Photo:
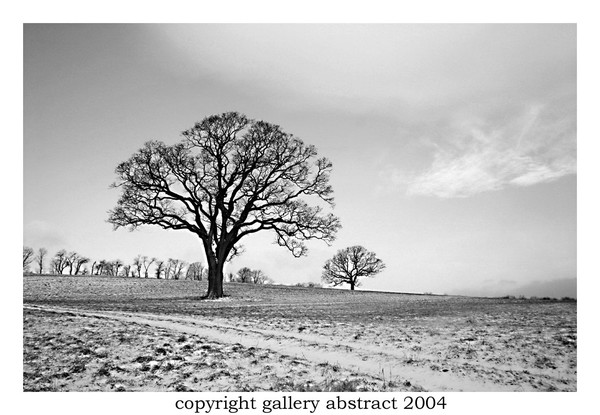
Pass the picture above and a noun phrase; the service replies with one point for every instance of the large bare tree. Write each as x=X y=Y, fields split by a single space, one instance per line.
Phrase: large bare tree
x=229 y=177
x=349 y=264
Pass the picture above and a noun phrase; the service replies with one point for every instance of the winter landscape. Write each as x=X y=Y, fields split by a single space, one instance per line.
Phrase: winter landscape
x=328 y=207
x=129 y=334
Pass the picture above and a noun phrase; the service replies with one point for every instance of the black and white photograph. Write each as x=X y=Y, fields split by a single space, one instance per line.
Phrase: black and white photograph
x=311 y=207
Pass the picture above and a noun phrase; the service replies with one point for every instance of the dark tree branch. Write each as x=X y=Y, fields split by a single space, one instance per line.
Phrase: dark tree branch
x=348 y=264
x=229 y=177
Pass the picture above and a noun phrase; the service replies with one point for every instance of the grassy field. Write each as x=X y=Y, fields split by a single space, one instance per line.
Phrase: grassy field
x=123 y=334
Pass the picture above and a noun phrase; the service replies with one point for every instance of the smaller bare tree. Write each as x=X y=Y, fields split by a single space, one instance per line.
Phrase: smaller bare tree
x=349 y=264
x=75 y=262
x=60 y=262
x=71 y=259
x=168 y=267
x=244 y=275
x=176 y=268
x=126 y=269
x=116 y=265
x=259 y=277
x=146 y=263
x=102 y=267
x=195 y=271
x=137 y=264
x=80 y=261
x=27 y=257
x=160 y=268
x=39 y=258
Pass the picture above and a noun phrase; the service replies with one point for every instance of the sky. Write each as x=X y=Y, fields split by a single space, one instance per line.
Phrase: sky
x=453 y=146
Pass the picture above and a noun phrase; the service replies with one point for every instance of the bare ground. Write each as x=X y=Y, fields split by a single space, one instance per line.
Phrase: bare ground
x=99 y=335
x=82 y=351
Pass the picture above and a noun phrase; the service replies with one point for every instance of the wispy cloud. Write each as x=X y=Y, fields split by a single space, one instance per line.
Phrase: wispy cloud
x=537 y=146
x=496 y=103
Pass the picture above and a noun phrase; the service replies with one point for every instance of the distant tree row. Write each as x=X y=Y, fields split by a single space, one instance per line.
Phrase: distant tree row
x=346 y=267
x=72 y=263
x=250 y=276
x=61 y=263
x=309 y=284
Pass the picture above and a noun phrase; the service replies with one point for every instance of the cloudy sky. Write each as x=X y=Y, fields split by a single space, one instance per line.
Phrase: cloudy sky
x=454 y=146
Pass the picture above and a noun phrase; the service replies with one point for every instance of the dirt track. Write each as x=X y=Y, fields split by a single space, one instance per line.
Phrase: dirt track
x=308 y=339
x=371 y=360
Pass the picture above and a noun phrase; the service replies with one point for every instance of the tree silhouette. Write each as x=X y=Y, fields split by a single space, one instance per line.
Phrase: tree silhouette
x=195 y=271
x=349 y=264
x=60 y=262
x=41 y=255
x=116 y=265
x=103 y=267
x=27 y=257
x=259 y=277
x=126 y=269
x=80 y=261
x=159 y=268
x=137 y=263
x=229 y=177
x=174 y=268
x=146 y=263
x=244 y=275
x=75 y=262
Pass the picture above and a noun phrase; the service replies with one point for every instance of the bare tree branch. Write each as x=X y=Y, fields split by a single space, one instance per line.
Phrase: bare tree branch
x=228 y=178
x=348 y=264
x=27 y=257
x=41 y=255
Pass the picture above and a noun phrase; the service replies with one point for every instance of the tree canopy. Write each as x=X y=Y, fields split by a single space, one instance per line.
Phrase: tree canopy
x=229 y=177
x=349 y=264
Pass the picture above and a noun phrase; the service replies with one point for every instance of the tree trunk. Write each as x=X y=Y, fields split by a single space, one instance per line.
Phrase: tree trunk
x=215 y=278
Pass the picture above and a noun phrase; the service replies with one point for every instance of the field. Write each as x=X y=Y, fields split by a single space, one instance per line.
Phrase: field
x=125 y=334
